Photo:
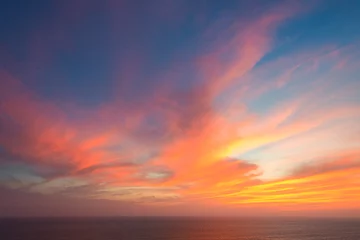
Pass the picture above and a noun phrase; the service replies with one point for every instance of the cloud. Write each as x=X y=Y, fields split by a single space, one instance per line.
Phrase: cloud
x=342 y=161
x=204 y=131
x=100 y=166
x=20 y=203
x=322 y=185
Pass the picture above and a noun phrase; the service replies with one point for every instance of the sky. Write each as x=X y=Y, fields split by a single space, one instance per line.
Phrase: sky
x=166 y=108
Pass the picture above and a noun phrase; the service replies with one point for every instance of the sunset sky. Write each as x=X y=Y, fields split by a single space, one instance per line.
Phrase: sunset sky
x=172 y=107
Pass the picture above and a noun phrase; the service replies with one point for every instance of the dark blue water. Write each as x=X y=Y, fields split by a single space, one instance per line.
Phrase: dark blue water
x=178 y=229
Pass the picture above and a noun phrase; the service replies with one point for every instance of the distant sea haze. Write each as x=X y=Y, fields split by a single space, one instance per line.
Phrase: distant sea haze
x=176 y=228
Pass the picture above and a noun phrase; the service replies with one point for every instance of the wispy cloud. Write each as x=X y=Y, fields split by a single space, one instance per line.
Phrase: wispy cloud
x=230 y=125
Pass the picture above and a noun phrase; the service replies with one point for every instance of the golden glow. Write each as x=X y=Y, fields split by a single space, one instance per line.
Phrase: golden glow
x=211 y=144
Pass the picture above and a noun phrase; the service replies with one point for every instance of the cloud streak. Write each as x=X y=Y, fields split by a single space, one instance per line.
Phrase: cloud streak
x=232 y=125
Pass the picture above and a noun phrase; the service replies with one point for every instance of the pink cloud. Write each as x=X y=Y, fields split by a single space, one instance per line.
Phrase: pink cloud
x=173 y=145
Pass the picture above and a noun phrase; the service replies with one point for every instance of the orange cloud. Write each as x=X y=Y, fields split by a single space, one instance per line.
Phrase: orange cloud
x=177 y=146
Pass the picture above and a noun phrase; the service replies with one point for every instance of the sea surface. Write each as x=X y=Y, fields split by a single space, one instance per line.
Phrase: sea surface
x=178 y=229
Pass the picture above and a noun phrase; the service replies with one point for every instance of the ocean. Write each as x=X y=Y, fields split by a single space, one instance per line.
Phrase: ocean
x=178 y=229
